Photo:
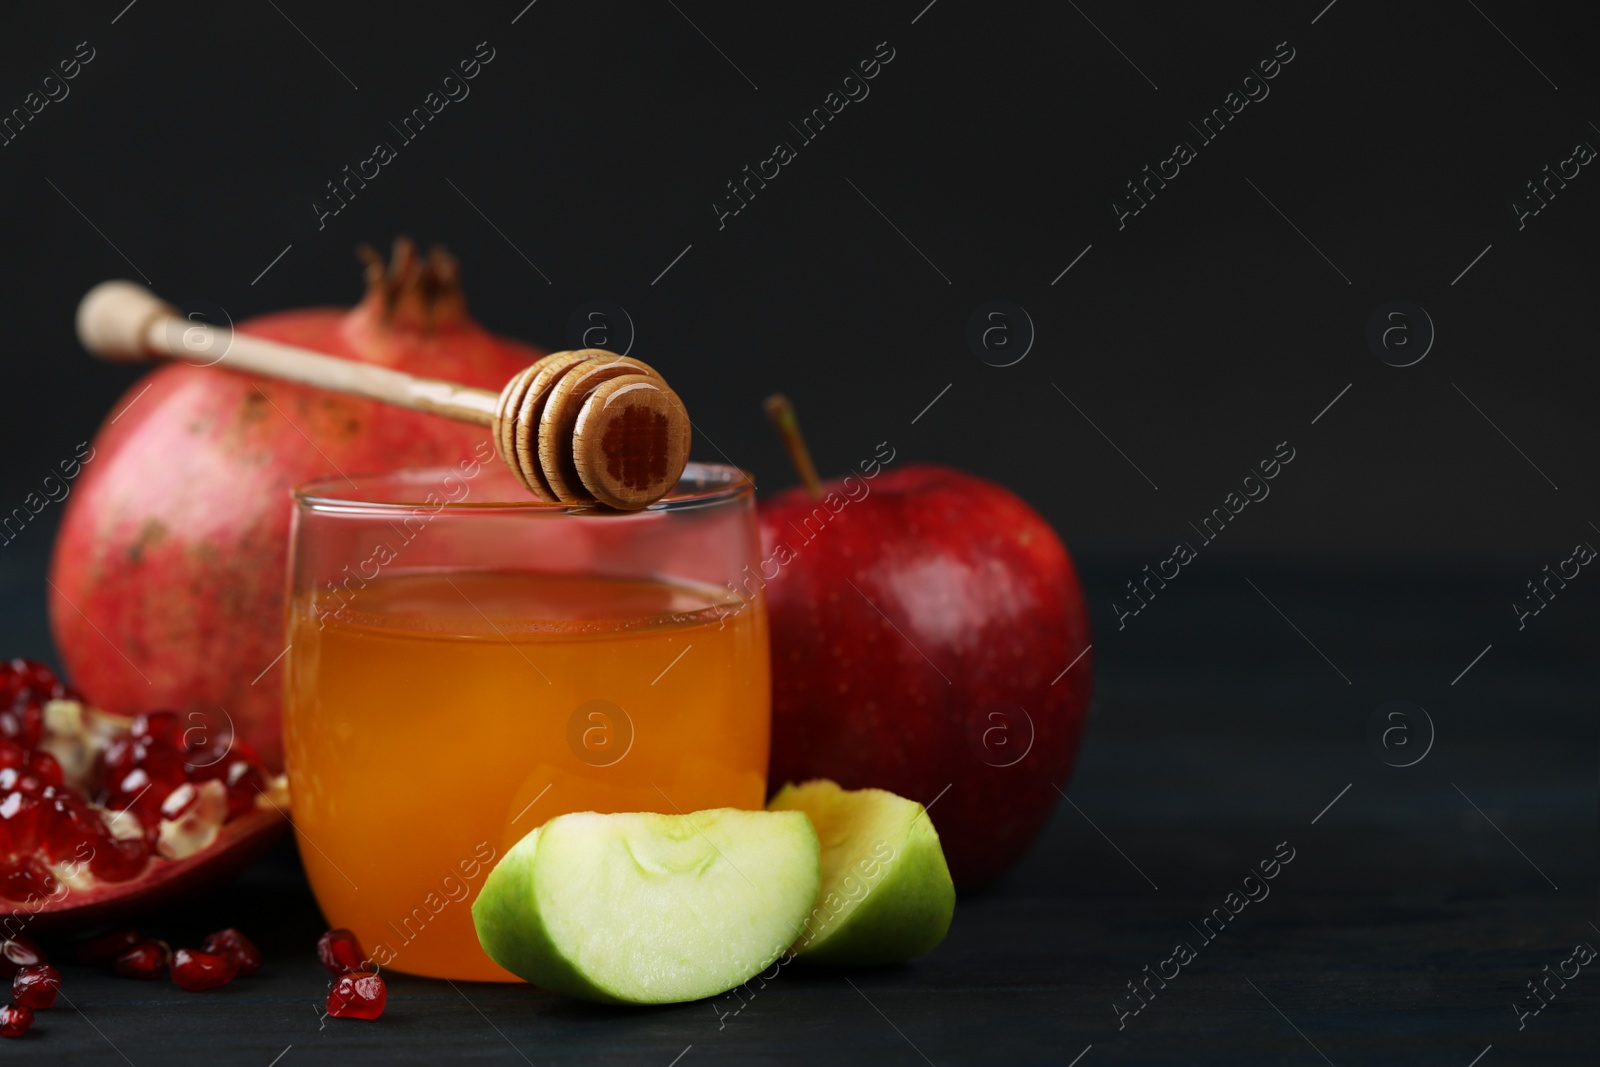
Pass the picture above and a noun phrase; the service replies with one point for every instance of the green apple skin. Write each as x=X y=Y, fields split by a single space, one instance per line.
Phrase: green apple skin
x=886 y=894
x=641 y=908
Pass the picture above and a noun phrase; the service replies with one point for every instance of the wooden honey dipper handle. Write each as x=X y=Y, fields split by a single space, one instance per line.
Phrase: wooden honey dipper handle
x=575 y=427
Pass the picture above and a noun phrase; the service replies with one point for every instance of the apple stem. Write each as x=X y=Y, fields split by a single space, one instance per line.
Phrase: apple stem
x=781 y=412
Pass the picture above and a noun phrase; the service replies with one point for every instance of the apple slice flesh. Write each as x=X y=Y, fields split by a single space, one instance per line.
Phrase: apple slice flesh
x=649 y=909
x=886 y=894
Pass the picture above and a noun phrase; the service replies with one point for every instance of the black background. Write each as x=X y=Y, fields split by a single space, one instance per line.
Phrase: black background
x=1196 y=339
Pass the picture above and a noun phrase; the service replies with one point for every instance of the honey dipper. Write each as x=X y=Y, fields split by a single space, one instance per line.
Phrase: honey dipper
x=575 y=427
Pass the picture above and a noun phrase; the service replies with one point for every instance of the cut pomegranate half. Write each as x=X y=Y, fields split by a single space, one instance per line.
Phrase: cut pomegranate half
x=103 y=817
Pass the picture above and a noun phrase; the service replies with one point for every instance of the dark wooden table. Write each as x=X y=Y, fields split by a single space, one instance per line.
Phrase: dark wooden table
x=1419 y=901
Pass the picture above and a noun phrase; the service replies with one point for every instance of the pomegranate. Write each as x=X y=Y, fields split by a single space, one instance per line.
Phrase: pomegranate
x=173 y=543
x=199 y=971
x=105 y=817
x=36 y=986
x=237 y=947
x=145 y=960
x=357 y=995
x=15 y=1020
x=341 y=953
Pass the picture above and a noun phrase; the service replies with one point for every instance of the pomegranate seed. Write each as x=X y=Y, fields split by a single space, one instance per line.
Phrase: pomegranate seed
x=237 y=947
x=163 y=728
x=11 y=753
x=147 y=959
x=67 y=796
x=36 y=986
x=15 y=1020
x=122 y=755
x=117 y=860
x=179 y=801
x=103 y=950
x=18 y=952
x=74 y=830
x=245 y=783
x=45 y=767
x=21 y=780
x=341 y=953
x=240 y=749
x=26 y=876
x=357 y=995
x=165 y=769
x=130 y=787
x=35 y=675
x=21 y=814
x=198 y=971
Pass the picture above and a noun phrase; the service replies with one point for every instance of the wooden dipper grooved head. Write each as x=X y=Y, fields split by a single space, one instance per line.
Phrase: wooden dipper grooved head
x=560 y=418
x=520 y=428
x=632 y=453
x=631 y=441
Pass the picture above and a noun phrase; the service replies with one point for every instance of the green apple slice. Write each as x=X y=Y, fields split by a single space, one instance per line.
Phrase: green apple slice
x=649 y=909
x=886 y=893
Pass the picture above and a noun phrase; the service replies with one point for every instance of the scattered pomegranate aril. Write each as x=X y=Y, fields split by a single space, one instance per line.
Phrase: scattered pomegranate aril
x=341 y=953
x=102 y=951
x=17 y=952
x=199 y=971
x=357 y=995
x=36 y=986
x=237 y=947
x=146 y=960
x=15 y=1020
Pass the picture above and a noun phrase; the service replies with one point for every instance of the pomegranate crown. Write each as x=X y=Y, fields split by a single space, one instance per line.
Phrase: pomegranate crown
x=413 y=291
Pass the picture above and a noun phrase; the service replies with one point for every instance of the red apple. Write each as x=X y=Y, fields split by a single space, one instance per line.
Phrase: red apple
x=923 y=621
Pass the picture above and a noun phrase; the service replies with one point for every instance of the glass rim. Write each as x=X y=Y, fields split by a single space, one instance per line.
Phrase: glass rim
x=710 y=484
